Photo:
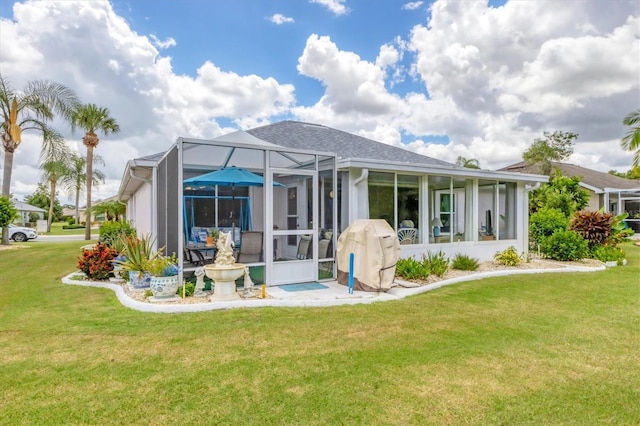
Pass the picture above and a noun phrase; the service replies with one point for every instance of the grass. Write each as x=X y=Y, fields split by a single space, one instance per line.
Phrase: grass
x=56 y=229
x=528 y=350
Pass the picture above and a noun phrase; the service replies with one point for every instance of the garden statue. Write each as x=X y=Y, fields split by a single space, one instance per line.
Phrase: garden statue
x=248 y=284
x=225 y=250
x=199 y=291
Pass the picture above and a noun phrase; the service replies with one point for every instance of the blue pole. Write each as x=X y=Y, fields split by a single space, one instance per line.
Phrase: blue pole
x=351 y=273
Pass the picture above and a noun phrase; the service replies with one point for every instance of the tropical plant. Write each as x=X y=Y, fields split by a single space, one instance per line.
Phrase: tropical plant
x=608 y=253
x=92 y=118
x=438 y=262
x=593 y=226
x=52 y=172
x=565 y=245
x=631 y=140
x=508 y=257
x=7 y=211
x=469 y=163
x=462 y=262
x=162 y=266
x=544 y=223
x=137 y=252
x=556 y=146
x=75 y=182
x=31 y=110
x=111 y=209
x=96 y=262
x=411 y=269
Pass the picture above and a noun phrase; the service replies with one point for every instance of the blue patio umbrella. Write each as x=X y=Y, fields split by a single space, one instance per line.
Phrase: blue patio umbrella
x=228 y=176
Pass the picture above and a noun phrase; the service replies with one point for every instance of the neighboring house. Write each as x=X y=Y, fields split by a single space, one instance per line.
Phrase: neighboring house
x=616 y=194
x=24 y=211
x=318 y=180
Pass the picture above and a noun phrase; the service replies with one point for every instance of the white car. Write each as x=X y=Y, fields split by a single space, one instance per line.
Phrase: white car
x=21 y=233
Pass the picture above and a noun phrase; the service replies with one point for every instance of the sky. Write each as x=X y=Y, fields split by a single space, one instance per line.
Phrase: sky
x=474 y=78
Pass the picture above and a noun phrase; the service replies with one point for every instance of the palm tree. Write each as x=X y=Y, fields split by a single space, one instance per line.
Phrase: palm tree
x=52 y=172
x=75 y=182
x=631 y=141
x=470 y=163
x=111 y=209
x=91 y=118
x=30 y=110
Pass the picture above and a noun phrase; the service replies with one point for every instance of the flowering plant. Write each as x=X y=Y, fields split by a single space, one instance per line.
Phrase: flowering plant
x=96 y=262
x=162 y=266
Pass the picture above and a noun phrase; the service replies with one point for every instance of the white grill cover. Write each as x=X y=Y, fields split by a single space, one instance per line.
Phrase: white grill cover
x=376 y=250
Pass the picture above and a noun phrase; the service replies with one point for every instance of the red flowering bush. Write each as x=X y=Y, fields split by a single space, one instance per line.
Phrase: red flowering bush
x=96 y=262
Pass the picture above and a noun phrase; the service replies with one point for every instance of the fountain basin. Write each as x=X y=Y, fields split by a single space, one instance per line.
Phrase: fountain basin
x=224 y=280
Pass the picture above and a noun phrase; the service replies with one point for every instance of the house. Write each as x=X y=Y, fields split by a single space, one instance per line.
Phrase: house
x=314 y=182
x=26 y=212
x=613 y=193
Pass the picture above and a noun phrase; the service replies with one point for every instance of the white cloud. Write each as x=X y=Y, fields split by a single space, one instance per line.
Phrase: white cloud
x=86 y=46
x=162 y=44
x=335 y=6
x=280 y=19
x=412 y=5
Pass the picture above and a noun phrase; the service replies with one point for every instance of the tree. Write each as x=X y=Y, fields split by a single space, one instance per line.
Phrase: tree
x=631 y=140
x=469 y=163
x=7 y=212
x=76 y=181
x=30 y=110
x=562 y=193
x=91 y=118
x=632 y=173
x=556 y=146
x=41 y=198
x=52 y=172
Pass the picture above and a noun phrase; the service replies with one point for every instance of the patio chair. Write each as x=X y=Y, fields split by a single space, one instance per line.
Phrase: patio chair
x=407 y=235
x=304 y=248
x=251 y=244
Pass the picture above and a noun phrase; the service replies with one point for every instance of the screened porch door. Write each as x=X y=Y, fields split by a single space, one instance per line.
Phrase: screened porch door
x=294 y=246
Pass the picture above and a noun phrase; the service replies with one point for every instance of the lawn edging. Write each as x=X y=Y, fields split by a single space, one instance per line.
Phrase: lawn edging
x=395 y=293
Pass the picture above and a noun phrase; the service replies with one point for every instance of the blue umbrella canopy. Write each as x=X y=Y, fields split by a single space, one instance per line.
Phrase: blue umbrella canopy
x=228 y=176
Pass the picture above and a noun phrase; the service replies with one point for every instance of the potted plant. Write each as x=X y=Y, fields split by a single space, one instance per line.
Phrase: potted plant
x=212 y=234
x=137 y=253
x=164 y=275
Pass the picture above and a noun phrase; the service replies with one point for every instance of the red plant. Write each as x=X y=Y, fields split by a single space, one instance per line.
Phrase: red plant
x=595 y=227
x=96 y=262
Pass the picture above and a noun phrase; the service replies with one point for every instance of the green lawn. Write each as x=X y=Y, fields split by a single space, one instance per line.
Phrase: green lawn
x=521 y=350
x=56 y=229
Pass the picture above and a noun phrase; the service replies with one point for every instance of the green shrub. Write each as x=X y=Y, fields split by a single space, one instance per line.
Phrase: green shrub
x=74 y=226
x=595 y=227
x=438 y=263
x=544 y=222
x=189 y=288
x=608 y=253
x=565 y=246
x=508 y=257
x=111 y=232
x=71 y=220
x=411 y=269
x=462 y=262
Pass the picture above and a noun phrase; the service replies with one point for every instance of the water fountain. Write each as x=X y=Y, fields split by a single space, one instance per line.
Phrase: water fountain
x=224 y=271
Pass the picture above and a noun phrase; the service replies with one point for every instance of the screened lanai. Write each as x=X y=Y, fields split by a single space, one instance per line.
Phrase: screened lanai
x=290 y=205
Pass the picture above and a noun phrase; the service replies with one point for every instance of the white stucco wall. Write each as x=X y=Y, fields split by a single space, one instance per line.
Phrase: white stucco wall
x=140 y=208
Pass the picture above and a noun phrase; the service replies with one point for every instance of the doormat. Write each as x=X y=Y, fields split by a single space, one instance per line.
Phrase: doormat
x=302 y=286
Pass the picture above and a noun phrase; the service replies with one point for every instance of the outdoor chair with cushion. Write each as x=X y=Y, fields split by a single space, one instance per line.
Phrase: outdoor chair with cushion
x=305 y=250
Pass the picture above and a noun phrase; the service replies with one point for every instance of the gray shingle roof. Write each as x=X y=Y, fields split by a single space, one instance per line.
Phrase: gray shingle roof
x=590 y=177
x=315 y=137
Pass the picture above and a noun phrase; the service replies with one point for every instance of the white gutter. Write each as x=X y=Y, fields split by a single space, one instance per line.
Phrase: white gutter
x=363 y=176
